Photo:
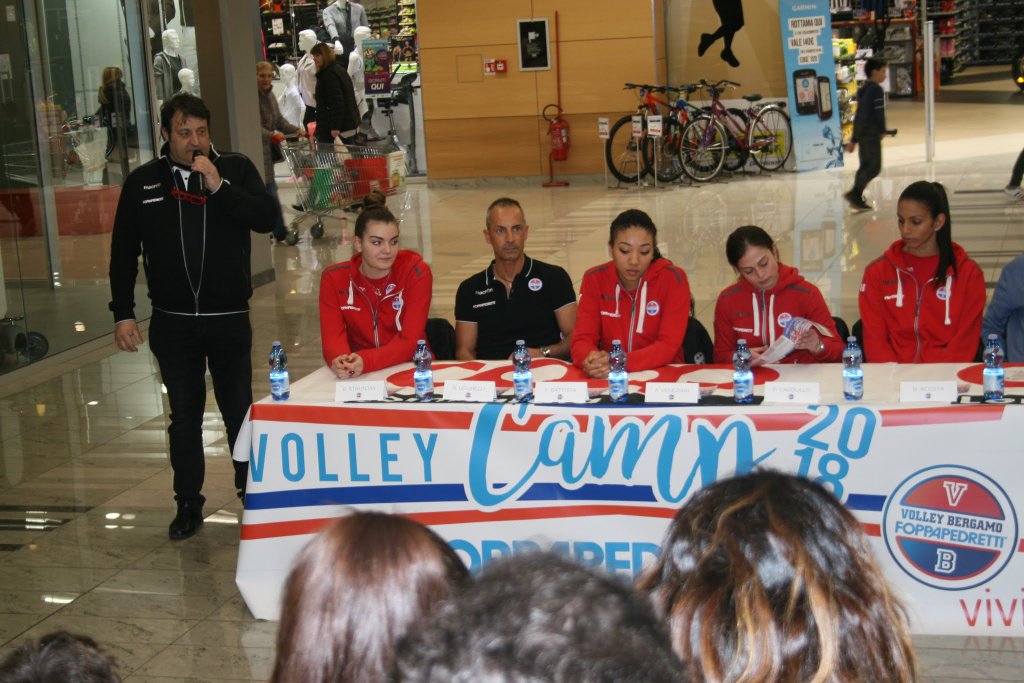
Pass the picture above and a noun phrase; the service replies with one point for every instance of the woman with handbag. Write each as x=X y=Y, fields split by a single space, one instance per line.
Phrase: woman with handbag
x=337 y=115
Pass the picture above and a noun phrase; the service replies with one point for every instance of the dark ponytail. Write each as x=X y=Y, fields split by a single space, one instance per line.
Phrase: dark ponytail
x=634 y=218
x=933 y=197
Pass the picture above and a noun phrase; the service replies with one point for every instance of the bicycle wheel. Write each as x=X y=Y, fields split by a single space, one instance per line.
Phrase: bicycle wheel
x=770 y=138
x=738 y=153
x=620 y=151
x=703 y=148
x=670 y=166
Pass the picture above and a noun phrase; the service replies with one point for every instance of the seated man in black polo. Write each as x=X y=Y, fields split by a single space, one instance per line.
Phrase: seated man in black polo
x=516 y=297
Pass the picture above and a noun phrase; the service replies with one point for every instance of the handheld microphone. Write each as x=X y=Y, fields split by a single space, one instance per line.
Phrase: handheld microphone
x=202 y=179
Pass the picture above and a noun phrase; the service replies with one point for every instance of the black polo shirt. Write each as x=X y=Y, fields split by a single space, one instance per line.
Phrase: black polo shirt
x=527 y=313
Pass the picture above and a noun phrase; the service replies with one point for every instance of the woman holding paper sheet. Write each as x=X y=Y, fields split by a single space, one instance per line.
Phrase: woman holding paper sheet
x=767 y=296
x=373 y=307
x=921 y=301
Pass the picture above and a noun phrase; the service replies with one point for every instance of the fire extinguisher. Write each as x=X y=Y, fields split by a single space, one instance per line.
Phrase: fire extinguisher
x=558 y=129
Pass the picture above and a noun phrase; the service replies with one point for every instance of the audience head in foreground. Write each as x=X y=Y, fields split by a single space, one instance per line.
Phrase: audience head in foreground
x=539 y=618
x=59 y=657
x=354 y=591
x=767 y=578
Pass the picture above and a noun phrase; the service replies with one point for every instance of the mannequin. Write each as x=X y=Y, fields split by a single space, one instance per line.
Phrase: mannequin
x=187 y=78
x=307 y=75
x=167 y=64
x=290 y=101
x=341 y=18
x=355 y=68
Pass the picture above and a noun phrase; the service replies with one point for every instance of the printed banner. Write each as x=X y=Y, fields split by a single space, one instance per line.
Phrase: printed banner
x=811 y=78
x=376 y=66
x=936 y=488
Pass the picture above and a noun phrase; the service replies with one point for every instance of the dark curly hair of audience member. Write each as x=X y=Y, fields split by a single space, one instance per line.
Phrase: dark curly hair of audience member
x=59 y=657
x=767 y=578
x=354 y=591
x=540 y=618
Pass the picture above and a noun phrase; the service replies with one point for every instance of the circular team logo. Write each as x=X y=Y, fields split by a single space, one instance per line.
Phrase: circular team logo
x=784 y=318
x=535 y=284
x=950 y=527
x=653 y=308
x=397 y=303
x=942 y=293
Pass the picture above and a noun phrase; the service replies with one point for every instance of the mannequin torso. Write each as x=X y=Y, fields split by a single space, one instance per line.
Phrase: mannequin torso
x=167 y=64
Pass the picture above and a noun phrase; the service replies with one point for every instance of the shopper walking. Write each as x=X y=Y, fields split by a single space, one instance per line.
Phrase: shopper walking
x=1013 y=189
x=868 y=129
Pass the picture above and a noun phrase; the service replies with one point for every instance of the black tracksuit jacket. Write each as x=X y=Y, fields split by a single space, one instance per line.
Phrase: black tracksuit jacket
x=212 y=239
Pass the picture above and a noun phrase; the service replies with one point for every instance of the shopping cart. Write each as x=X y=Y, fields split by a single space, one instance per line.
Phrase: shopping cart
x=330 y=178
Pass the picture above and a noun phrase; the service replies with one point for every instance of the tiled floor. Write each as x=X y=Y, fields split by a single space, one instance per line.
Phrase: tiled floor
x=84 y=479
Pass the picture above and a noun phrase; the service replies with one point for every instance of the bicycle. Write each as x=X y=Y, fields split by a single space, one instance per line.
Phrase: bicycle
x=621 y=148
x=728 y=137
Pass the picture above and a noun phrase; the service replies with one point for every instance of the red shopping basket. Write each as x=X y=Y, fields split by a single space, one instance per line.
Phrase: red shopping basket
x=368 y=174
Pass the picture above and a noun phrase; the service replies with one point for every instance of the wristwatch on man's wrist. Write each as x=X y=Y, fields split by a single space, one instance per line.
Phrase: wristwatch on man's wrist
x=545 y=351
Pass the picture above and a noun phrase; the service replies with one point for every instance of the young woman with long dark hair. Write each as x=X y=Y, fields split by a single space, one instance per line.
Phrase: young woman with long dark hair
x=639 y=297
x=922 y=301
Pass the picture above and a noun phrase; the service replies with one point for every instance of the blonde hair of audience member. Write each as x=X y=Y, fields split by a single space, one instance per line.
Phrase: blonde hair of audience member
x=767 y=578
x=354 y=591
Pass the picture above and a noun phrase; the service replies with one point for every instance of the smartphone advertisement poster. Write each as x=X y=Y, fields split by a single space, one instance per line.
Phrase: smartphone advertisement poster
x=811 y=74
x=377 y=67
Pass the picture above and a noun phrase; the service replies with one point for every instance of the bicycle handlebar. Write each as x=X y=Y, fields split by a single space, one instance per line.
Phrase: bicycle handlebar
x=645 y=86
x=719 y=85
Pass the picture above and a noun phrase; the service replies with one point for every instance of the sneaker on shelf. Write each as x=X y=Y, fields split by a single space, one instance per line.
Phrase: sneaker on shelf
x=1014 y=192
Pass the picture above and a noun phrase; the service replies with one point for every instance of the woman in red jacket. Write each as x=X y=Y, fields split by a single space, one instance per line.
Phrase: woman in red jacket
x=767 y=296
x=921 y=302
x=638 y=297
x=373 y=307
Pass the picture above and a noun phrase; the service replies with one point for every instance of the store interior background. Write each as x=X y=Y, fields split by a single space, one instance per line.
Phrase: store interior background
x=472 y=128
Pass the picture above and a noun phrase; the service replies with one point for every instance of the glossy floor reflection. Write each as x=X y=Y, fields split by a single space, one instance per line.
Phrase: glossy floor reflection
x=84 y=479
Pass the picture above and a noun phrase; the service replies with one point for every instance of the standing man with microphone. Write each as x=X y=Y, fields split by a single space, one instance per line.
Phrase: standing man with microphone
x=189 y=213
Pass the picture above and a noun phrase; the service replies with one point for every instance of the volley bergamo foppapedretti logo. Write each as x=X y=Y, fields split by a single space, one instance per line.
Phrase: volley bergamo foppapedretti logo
x=950 y=527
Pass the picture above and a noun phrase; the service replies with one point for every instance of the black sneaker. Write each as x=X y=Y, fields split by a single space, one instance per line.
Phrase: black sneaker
x=857 y=203
x=187 y=522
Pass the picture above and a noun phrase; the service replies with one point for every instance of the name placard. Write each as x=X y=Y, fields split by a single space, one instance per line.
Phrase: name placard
x=466 y=390
x=672 y=392
x=560 y=392
x=927 y=392
x=602 y=128
x=351 y=391
x=792 y=392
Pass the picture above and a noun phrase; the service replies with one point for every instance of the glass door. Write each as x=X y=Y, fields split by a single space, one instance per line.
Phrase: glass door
x=77 y=94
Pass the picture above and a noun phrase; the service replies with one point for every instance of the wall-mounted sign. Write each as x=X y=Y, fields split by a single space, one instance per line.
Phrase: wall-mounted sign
x=534 y=50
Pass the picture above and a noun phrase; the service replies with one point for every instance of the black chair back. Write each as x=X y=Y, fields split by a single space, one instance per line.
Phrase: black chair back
x=441 y=338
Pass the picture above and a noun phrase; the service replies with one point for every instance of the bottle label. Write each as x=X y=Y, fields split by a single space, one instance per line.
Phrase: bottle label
x=279 y=385
x=424 y=385
x=617 y=388
x=742 y=388
x=853 y=386
x=993 y=383
x=523 y=386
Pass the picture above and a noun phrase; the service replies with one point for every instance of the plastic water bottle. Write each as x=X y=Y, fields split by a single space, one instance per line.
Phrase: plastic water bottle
x=853 y=374
x=522 y=375
x=993 y=382
x=279 y=389
x=742 y=377
x=423 y=376
x=618 y=379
